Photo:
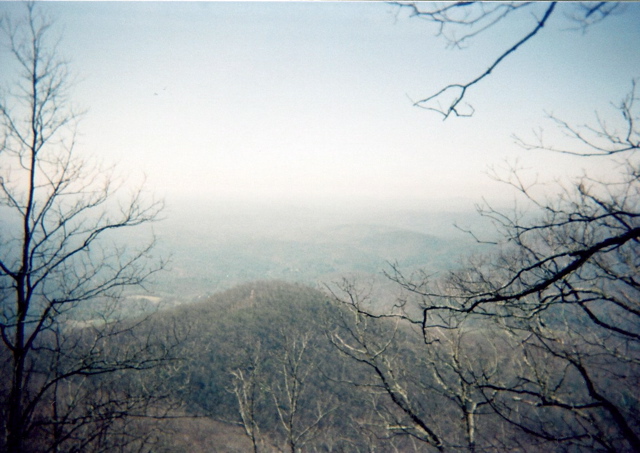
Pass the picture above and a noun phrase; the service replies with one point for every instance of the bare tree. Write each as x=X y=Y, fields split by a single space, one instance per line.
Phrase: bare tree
x=301 y=408
x=249 y=389
x=558 y=293
x=432 y=377
x=285 y=393
x=564 y=281
x=61 y=271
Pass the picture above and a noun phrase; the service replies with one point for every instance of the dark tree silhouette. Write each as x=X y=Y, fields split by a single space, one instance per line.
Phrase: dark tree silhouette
x=558 y=292
x=61 y=270
x=564 y=282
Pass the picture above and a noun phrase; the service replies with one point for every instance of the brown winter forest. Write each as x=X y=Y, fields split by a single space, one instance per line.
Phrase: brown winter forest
x=125 y=329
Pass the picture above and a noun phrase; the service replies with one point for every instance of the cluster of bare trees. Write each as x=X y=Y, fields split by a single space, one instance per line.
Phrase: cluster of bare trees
x=540 y=337
x=289 y=391
x=65 y=339
x=260 y=361
x=535 y=344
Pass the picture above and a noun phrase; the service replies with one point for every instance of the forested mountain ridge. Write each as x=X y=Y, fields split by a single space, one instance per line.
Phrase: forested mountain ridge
x=244 y=351
x=262 y=358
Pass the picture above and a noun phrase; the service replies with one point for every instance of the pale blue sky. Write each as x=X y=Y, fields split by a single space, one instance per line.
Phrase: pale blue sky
x=297 y=101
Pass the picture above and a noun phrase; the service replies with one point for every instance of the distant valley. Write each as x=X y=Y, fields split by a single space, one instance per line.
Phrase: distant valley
x=224 y=246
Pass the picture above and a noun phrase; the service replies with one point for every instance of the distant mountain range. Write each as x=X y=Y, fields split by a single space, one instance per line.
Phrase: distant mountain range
x=209 y=256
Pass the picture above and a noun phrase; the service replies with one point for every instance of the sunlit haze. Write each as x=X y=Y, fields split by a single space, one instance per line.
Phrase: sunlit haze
x=312 y=101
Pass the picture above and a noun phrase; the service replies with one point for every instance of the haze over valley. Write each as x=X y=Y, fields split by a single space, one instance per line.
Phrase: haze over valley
x=214 y=246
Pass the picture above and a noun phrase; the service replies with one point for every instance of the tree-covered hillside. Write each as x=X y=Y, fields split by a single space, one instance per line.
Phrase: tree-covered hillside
x=275 y=362
x=257 y=356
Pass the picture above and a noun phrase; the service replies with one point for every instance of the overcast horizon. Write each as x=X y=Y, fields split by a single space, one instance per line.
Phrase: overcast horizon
x=311 y=102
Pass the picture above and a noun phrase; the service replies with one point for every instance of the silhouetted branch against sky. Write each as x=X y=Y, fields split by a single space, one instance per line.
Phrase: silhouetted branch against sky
x=460 y=22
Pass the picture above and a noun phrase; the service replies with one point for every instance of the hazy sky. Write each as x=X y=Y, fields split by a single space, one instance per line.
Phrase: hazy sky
x=312 y=100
